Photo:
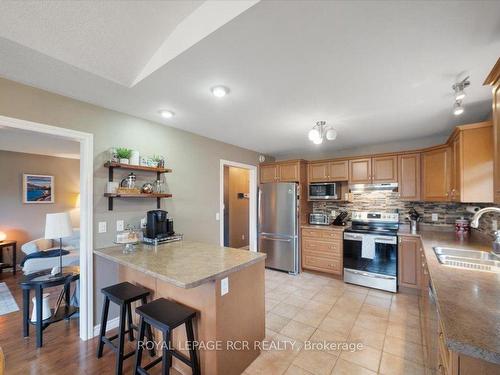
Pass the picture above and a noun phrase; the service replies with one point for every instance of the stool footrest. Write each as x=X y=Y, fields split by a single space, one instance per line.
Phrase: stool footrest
x=152 y=363
x=181 y=357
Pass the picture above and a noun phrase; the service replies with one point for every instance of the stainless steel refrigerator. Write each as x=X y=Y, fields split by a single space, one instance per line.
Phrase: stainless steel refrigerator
x=278 y=225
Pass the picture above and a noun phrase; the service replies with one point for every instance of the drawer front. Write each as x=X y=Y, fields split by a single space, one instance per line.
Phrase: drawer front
x=322 y=233
x=322 y=264
x=332 y=248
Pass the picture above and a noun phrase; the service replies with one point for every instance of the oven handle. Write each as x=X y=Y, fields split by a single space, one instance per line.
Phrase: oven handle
x=387 y=240
x=353 y=237
x=370 y=275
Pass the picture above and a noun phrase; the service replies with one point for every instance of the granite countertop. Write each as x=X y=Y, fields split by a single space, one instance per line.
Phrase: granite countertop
x=328 y=227
x=468 y=301
x=184 y=264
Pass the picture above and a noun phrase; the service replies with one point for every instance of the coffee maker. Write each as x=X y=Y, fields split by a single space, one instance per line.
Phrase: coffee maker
x=159 y=225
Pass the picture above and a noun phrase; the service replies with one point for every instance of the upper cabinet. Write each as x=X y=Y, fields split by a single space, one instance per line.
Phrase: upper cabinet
x=472 y=163
x=286 y=171
x=436 y=174
x=385 y=169
x=376 y=170
x=268 y=173
x=493 y=80
x=360 y=171
x=328 y=171
x=409 y=177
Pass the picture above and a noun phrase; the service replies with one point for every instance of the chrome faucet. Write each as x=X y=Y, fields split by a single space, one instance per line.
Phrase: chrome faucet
x=475 y=223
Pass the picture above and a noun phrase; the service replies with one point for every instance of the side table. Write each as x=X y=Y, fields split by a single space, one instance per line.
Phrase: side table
x=39 y=281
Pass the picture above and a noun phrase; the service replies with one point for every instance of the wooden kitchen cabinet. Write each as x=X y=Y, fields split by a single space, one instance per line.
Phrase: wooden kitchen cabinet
x=385 y=169
x=360 y=171
x=409 y=261
x=472 y=163
x=493 y=80
x=322 y=250
x=436 y=174
x=285 y=171
x=328 y=171
x=289 y=172
x=409 y=177
x=268 y=173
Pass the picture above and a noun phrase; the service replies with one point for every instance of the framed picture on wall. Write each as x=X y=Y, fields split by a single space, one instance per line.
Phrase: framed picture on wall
x=38 y=188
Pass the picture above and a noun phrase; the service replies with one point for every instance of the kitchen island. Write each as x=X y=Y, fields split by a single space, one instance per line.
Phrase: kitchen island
x=229 y=325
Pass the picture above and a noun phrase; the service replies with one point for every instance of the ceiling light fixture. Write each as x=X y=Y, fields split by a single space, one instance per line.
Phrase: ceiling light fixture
x=459 y=89
x=166 y=114
x=219 y=91
x=457 y=108
x=321 y=131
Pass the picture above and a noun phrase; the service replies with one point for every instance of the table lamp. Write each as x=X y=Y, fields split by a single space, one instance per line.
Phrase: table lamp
x=58 y=226
x=3 y=236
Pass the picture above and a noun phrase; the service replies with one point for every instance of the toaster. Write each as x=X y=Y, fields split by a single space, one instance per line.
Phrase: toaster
x=320 y=219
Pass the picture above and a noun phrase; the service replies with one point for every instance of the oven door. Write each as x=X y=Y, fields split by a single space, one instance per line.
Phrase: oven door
x=371 y=260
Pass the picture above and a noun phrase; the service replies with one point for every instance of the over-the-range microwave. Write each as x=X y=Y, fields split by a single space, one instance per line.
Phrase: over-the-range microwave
x=322 y=191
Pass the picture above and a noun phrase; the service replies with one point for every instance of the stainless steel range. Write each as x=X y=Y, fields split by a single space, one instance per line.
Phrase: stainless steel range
x=371 y=250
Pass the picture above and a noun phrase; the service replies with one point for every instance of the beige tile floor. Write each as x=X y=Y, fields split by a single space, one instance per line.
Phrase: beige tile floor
x=310 y=308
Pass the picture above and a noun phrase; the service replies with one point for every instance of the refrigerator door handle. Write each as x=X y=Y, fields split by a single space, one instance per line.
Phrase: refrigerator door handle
x=276 y=239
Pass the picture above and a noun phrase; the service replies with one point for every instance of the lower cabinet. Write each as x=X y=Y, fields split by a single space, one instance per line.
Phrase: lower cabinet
x=408 y=261
x=322 y=250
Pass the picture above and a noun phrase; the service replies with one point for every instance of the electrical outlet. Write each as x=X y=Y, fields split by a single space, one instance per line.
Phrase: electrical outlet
x=243 y=237
x=435 y=217
x=494 y=225
x=102 y=227
x=144 y=221
x=120 y=226
x=224 y=286
x=217 y=216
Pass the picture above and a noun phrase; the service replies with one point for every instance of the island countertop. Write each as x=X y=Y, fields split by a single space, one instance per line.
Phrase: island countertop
x=185 y=264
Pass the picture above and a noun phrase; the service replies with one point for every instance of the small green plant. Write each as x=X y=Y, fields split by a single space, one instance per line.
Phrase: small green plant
x=157 y=158
x=123 y=153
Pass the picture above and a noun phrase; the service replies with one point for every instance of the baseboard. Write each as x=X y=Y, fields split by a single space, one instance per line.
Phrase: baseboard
x=112 y=323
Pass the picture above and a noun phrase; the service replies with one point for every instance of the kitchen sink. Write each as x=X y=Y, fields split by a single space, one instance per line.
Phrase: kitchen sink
x=468 y=259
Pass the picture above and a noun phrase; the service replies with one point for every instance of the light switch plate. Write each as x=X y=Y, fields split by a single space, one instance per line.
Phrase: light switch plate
x=120 y=226
x=143 y=222
x=435 y=217
x=224 y=286
x=102 y=227
x=217 y=216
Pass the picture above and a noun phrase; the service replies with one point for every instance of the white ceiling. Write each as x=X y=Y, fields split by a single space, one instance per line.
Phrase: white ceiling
x=378 y=71
x=28 y=142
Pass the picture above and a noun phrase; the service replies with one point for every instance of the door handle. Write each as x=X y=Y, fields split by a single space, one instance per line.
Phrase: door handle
x=370 y=275
x=276 y=239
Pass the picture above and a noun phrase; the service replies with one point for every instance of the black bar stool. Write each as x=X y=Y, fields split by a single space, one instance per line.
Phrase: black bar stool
x=123 y=294
x=166 y=315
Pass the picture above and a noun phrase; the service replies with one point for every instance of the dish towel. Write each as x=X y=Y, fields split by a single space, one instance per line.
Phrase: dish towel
x=368 y=247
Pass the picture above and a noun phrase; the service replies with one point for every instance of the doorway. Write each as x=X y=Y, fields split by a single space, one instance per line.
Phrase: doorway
x=84 y=201
x=238 y=205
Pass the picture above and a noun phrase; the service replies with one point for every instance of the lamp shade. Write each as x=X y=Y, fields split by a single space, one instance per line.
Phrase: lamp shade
x=58 y=226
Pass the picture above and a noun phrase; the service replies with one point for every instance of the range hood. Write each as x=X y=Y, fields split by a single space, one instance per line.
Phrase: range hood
x=354 y=188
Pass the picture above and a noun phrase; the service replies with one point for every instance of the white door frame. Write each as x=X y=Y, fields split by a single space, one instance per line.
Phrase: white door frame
x=86 y=141
x=252 y=222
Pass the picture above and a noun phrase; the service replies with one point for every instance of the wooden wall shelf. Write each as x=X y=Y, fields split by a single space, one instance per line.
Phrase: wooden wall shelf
x=158 y=171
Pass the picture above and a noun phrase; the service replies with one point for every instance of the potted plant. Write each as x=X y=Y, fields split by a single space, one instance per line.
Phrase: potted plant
x=123 y=154
x=159 y=161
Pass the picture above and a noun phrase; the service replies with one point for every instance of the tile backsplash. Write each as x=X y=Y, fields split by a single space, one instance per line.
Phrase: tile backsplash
x=447 y=212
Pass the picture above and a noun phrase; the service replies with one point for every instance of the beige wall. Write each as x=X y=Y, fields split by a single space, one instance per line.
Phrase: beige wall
x=194 y=182
x=25 y=222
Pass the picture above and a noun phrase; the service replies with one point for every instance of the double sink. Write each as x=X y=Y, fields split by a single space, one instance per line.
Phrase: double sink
x=468 y=259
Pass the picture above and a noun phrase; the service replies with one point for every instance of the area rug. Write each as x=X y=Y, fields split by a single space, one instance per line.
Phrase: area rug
x=7 y=302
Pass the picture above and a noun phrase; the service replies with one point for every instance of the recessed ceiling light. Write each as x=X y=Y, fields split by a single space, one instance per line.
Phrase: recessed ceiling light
x=220 y=91
x=166 y=114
